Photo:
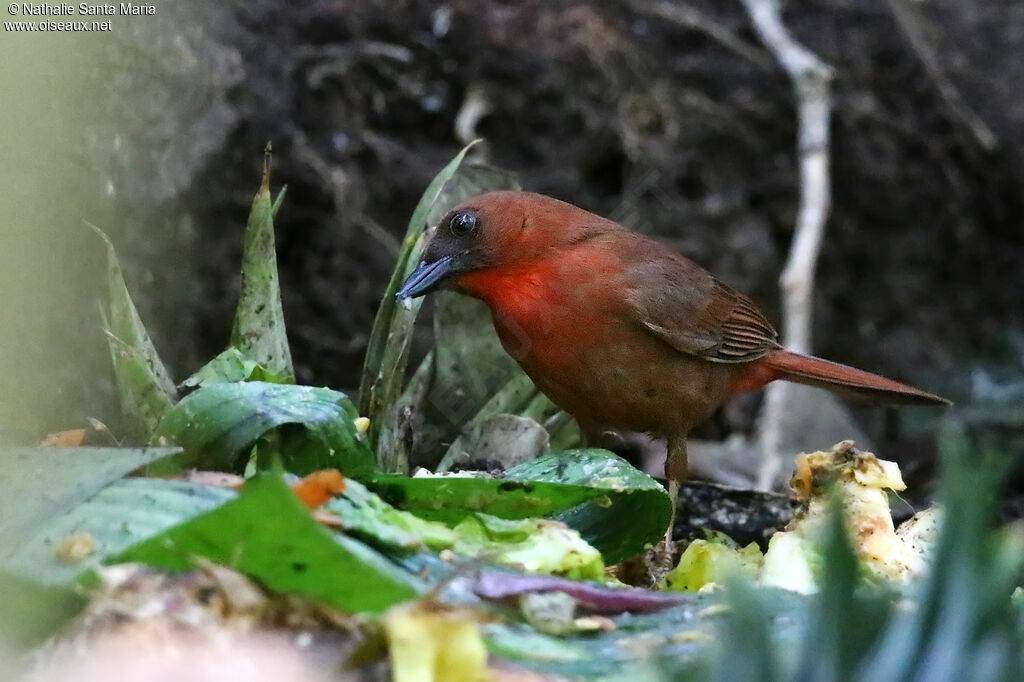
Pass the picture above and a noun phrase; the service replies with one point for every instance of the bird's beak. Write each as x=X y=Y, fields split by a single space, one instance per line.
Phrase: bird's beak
x=425 y=278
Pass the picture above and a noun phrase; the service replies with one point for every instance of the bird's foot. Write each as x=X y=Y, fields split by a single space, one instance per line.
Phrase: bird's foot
x=661 y=559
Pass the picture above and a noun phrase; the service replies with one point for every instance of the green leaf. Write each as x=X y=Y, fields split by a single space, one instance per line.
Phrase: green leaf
x=388 y=348
x=31 y=612
x=120 y=515
x=470 y=365
x=615 y=508
x=514 y=397
x=268 y=535
x=638 y=509
x=842 y=626
x=144 y=385
x=749 y=621
x=44 y=483
x=218 y=425
x=963 y=621
x=231 y=366
x=369 y=517
x=468 y=378
x=469 y=180
x=397 y=432
x=259 y=330
x=278 y=201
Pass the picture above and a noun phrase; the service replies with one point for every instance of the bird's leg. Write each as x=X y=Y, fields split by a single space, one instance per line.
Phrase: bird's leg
x=676 y=465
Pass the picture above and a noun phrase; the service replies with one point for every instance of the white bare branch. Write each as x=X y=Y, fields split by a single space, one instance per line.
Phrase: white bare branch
x=811 y=78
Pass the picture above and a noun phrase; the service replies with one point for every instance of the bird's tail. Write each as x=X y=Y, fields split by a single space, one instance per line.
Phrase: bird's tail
x=805 y=369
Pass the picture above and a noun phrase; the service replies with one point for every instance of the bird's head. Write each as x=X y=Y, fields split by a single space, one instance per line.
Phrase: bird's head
x=496 y=231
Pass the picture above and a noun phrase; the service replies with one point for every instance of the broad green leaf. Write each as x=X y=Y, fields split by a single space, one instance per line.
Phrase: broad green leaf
x=451 y=498
x=268 y=535
x=615 y=508
x=144 y=385
x=217 y=426
x=231 y=366
x=259 y=330
x=117 y=517
x=388 y=348
x=639 y=509
x=43 y=483
x=678 y=642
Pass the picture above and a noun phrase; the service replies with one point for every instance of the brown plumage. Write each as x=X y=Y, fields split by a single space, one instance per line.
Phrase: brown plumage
x=616 y=328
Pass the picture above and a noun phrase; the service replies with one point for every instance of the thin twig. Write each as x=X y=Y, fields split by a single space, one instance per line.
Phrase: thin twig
x=692 y=18
x=334 y=177
x=910 y=24
x=811 y=78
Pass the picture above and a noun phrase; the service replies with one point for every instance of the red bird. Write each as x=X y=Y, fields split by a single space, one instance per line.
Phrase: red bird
x=614 y=327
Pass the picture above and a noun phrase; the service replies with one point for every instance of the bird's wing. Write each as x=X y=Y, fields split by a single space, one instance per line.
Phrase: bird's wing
x=686 y=307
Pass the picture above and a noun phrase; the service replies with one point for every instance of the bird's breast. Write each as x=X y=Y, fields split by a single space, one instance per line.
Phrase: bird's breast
x=567 y=323
x=544 y=310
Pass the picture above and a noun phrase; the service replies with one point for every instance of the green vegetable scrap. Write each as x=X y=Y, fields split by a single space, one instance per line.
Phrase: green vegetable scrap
x=713 y=561
x=533 y=545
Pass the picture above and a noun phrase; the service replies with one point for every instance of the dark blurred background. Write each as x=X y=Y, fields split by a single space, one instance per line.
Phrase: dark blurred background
x=669 y=116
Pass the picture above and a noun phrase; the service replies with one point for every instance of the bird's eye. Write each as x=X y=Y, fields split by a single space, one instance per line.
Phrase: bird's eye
x=462 y=224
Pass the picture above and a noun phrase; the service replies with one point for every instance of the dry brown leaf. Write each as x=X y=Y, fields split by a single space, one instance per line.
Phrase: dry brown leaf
x=71 y=438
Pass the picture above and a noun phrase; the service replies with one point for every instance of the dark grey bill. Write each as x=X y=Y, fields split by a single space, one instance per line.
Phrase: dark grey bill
x=425 y=278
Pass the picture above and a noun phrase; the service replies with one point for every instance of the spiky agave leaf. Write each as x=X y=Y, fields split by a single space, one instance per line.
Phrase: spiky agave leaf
x=259 y=330
x=144 y=385
x=388 y=348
